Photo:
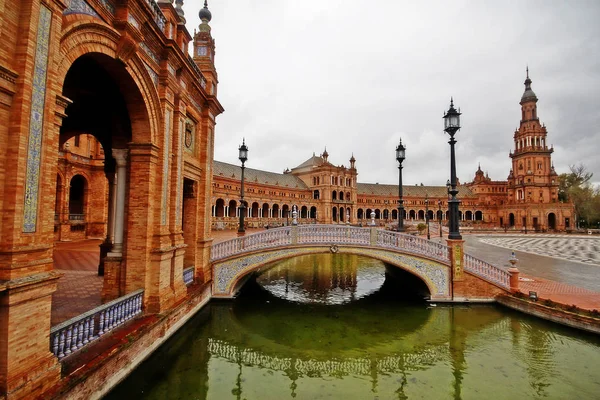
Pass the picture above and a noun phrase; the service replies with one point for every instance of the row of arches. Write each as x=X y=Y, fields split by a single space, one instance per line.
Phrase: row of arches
x=221 y=208
x=418 y=215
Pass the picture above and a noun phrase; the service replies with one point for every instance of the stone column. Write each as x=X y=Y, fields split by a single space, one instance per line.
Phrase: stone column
x=106 y=246
x=120 y=156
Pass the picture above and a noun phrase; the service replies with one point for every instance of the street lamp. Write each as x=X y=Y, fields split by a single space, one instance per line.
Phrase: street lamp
x=427 y=215
x=400 y=156
x=451 y=126
x=440 y=216
x=243 y=156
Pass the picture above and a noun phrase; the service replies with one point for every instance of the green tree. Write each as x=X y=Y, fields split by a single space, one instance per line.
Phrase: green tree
x=576 y=187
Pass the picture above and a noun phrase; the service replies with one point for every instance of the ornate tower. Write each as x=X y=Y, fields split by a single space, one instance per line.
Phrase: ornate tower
x=204 y=50
x=532 y=178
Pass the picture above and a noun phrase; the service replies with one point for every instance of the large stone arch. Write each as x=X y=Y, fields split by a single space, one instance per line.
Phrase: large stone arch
x=87 y=35
x=228 y=274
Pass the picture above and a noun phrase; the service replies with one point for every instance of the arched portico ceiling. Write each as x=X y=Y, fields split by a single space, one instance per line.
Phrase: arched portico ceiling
x=435 y=275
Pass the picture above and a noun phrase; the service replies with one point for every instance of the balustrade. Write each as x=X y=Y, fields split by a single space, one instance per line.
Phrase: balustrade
x=70 y=336
x=188 y=276
x=487 y=271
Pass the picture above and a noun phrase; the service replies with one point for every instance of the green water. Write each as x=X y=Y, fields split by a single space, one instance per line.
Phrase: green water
x=341 y=327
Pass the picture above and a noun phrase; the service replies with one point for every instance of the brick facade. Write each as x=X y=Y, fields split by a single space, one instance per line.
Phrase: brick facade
x=326 y=193
x=82 y=86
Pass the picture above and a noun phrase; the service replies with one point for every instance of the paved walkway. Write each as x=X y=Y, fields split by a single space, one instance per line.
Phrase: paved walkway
x=559 y=279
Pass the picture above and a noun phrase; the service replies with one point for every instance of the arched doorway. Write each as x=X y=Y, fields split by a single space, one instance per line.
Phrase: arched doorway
x=468 y=215
x=77 y=201
x=220 y=208
x=276 y=211
x=313 y=212
x=254 y=212
x=360 y=213
x=342 y=212
x=478 y=216
x=552 y=221
x=265 y=210
x=421 y=215
x=412 y=215
x=304 y=212
x=232 y=209
x=511 y=219
x=334 y=215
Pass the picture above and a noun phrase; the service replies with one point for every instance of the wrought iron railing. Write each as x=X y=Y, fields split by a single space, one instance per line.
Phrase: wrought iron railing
x=71 y=335
x=487 y=271
x=188 y=276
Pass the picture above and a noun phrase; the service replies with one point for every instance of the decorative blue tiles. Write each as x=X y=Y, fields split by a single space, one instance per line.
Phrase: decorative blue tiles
x=435 y=275
x=36 y=121
x=81 y=7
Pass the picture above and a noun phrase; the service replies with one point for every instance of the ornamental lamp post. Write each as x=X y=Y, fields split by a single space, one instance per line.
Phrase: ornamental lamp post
x=440 y=216
x=400 y=156
x=243 y=156
x=427 y=215
x=451 y=126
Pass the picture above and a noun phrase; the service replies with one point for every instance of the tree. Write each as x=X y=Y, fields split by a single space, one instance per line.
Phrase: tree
x=576 y=187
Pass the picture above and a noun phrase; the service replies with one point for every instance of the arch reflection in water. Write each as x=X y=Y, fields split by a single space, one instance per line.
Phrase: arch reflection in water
x=261 y=346
x=323 y=278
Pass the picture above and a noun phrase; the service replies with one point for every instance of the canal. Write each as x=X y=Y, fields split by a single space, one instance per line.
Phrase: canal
x=334 y=326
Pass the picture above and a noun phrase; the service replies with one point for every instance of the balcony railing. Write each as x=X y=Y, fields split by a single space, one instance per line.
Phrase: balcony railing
x=76 y=217
x=70 y=336
x=188 y=276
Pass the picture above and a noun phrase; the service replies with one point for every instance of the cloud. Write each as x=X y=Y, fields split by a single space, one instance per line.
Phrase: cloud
x=295 y=77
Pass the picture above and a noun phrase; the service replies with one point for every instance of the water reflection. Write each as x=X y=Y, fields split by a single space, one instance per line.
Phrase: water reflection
x=323 y=278
x=262 y=346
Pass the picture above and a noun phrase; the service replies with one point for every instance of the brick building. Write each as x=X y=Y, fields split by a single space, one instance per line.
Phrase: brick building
x=326 y=193
x=107 y=125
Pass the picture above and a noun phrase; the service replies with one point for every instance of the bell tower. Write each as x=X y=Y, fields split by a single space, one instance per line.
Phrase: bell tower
x=532 y=178
x=204 y=50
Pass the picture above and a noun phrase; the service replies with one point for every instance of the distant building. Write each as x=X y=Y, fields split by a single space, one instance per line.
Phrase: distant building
x=325 y=193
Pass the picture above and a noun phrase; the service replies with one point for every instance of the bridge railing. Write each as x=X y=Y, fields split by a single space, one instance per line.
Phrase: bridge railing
x=263 y=240
x=333 y=234
x=413 y=244
x=487 y=271
x=350 y=235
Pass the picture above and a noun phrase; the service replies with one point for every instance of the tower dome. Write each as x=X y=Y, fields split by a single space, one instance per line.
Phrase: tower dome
x=205 y=13
x=528 y=95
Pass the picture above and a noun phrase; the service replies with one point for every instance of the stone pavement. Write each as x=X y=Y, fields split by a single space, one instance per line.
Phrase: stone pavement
x=569 y=279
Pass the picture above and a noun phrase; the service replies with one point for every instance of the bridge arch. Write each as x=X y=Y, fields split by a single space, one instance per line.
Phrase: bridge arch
x=230 y=274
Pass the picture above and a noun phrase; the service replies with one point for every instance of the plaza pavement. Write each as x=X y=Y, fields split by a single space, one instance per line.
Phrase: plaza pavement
x=562 y=268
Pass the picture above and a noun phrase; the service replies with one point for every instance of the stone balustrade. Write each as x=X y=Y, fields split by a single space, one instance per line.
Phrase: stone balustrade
x=487 y=271
x=188 y=276
x=70 y=336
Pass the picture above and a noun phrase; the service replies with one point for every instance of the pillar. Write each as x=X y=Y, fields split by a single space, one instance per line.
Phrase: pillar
x=120 y=156
x=457 y=257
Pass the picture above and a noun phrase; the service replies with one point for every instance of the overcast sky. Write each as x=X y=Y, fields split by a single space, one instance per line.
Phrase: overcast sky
x=356 y=76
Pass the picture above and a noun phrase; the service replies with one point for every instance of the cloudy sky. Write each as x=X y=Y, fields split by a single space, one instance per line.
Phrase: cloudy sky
x=356 y=76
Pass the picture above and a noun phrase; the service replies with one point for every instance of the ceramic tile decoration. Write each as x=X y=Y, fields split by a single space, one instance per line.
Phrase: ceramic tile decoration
x=435 y=275
x=36 y=122
x=81 y=7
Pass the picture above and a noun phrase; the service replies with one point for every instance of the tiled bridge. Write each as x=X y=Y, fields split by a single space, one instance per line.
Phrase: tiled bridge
x=449 y=274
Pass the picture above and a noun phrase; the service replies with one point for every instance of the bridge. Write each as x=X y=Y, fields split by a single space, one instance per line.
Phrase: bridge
x=449 y=274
